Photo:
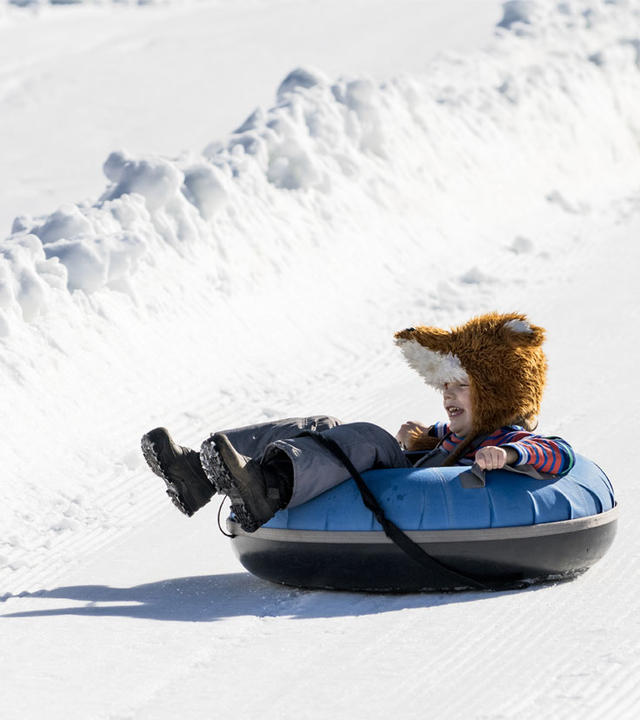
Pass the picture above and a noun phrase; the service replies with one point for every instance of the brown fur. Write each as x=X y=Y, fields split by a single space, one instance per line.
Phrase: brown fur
x=421 y=441
x=507 y=368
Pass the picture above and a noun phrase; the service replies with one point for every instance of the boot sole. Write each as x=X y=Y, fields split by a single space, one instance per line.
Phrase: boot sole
x=217 y=459
x=152 y=458
x=214 y=468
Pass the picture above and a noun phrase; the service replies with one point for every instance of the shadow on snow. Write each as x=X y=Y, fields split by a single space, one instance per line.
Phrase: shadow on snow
x=207 y=598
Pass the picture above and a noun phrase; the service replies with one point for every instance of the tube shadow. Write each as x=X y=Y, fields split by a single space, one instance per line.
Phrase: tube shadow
x=208 y=598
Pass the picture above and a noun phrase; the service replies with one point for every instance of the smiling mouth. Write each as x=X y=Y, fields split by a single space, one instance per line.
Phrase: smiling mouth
x=454 y=411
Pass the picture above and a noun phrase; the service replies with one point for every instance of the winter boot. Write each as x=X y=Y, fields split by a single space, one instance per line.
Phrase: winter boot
x=180 y=468
x=254 y=500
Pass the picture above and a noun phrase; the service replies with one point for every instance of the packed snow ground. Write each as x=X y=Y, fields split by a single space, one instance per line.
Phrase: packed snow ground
x=263 y=276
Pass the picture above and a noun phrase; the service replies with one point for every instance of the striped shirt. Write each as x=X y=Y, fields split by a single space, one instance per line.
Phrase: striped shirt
x=551 y=455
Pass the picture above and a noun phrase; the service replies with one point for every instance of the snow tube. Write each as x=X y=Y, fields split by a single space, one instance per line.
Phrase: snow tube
x=515 y=530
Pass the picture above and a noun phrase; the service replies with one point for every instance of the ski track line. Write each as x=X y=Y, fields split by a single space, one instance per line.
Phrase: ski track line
x=293 y=657
x=148 y=497
x=499 y=637
x=594 y=687
x=622 y=706
x=460 y=686
x=254 y=646
x=371 y=661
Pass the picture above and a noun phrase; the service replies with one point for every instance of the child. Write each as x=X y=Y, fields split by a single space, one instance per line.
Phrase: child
x=491 y=372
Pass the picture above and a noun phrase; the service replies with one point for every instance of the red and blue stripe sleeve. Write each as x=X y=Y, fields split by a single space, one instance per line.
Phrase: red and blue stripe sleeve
x=551 y=455
x=439 y=429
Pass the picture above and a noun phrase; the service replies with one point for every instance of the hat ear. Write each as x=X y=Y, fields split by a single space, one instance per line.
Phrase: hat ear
x=430 y=352
x=519 y=332
x=433 y=338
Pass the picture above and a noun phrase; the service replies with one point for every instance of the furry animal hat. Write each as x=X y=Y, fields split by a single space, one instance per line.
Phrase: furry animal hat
x=502 y=357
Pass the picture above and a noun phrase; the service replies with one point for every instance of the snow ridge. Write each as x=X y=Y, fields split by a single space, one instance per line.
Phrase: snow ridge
x=41 y=3
x=321 y=135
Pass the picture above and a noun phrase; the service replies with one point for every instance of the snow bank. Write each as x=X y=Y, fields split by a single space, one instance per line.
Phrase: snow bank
x=555 y=99
x=33 y=4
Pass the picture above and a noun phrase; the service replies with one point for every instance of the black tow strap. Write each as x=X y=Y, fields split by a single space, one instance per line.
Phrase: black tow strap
x=391 y=530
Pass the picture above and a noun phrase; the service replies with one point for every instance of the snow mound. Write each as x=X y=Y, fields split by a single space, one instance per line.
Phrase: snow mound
x=530 y=17
x=42 y=3
x=320 y=135
x=525 y=12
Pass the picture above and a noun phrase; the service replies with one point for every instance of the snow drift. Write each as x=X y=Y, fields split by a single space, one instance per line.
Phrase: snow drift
x=33 y=4
x=562 y=114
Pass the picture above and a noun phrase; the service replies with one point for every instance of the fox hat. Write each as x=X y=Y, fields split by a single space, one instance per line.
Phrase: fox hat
x=500 y=355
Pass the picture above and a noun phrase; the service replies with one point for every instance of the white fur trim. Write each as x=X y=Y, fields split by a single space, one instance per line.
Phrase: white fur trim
x=435 y=368
x=519 y=326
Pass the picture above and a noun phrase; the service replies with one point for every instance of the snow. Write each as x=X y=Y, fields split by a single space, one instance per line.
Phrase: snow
x=425 y=164
x=177 y=75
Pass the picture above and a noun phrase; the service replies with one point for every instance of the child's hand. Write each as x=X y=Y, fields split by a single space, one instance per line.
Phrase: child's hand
x=409 y=432
x=494 y=458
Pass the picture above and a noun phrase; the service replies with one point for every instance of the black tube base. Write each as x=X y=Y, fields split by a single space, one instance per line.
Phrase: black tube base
x=380 y=566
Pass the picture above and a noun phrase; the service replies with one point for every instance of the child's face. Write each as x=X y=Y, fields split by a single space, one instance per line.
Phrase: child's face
x=456 y=398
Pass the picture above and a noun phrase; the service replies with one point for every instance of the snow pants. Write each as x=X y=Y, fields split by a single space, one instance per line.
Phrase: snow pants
x=315 y=469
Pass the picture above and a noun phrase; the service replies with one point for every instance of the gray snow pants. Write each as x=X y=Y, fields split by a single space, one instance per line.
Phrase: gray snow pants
x=315 y=469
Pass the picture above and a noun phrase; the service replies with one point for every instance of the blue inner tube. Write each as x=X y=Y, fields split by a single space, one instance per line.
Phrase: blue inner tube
x=514 y=530
x=434 y=499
